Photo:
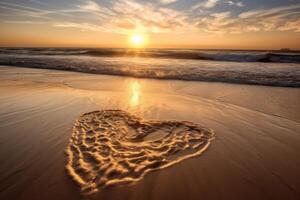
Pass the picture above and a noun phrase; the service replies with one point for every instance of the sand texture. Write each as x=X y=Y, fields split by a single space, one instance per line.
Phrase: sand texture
x=113 y=146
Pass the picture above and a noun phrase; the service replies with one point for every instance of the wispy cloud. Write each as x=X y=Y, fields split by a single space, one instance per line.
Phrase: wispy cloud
x=24 y=10
x=167 y=1
x=232 y=3
x=131 y=15
x=81 y=26
x=126 y=16
x=205 y=4
x=27 y=12
x=23 y=22
x=275 y=19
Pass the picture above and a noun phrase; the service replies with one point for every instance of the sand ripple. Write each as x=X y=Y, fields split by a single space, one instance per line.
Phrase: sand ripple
x=113 y=146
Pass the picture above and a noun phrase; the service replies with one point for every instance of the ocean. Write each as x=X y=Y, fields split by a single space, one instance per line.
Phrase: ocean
x=273 y=68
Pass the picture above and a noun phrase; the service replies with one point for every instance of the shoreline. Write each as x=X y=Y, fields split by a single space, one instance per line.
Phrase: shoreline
x=236 y=72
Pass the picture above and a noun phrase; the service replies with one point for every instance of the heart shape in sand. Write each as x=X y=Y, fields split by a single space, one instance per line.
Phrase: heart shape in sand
x=112 y=146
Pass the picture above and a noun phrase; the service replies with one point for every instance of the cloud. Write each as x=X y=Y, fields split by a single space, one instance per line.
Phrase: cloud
x=81 y=26
x=23 y=22
x=167 y=1
x=128 y=16
x=285 y=18
x=232 y=3
x=24 y=10
x=240 y=4
x=145 y=18
x=91 y=6
x=21 y=11
x=205 y=4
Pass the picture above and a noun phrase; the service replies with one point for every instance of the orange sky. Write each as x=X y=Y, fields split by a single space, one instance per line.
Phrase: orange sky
x=165 y=28
x=33 y=36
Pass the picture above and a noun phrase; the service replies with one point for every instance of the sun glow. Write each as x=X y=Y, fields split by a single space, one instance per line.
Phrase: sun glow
x=138 y=40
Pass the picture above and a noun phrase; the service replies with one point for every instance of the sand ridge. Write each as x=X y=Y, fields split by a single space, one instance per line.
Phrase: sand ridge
x=113 y=146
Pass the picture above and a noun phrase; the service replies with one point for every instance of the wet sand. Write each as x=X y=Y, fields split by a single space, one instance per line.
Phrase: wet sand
x=111 y=147
x=255 y=153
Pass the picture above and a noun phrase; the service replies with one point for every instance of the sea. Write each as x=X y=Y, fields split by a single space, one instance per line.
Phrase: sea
x=272 y=68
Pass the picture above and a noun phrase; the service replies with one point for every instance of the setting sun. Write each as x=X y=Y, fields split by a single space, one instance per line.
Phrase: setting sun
x=137 y=40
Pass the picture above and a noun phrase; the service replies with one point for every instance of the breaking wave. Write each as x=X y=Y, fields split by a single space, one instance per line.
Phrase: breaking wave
x=220 y=55
x=273 y=68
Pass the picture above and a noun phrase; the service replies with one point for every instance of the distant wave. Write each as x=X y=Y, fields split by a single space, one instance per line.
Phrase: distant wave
x=262 y=57
x=273 y=74
x=220 y=55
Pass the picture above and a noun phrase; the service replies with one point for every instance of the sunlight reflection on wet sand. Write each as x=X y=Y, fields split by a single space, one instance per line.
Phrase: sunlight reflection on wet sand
x=135 y=93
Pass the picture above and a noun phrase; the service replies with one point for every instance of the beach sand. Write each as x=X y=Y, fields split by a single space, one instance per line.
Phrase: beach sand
x=255 y=153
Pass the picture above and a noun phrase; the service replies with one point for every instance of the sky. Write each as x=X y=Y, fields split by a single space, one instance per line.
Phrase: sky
x=216 y=24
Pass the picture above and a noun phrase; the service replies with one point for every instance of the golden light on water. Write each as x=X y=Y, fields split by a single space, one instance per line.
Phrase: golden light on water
x=138 y=40
x=135 y=90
